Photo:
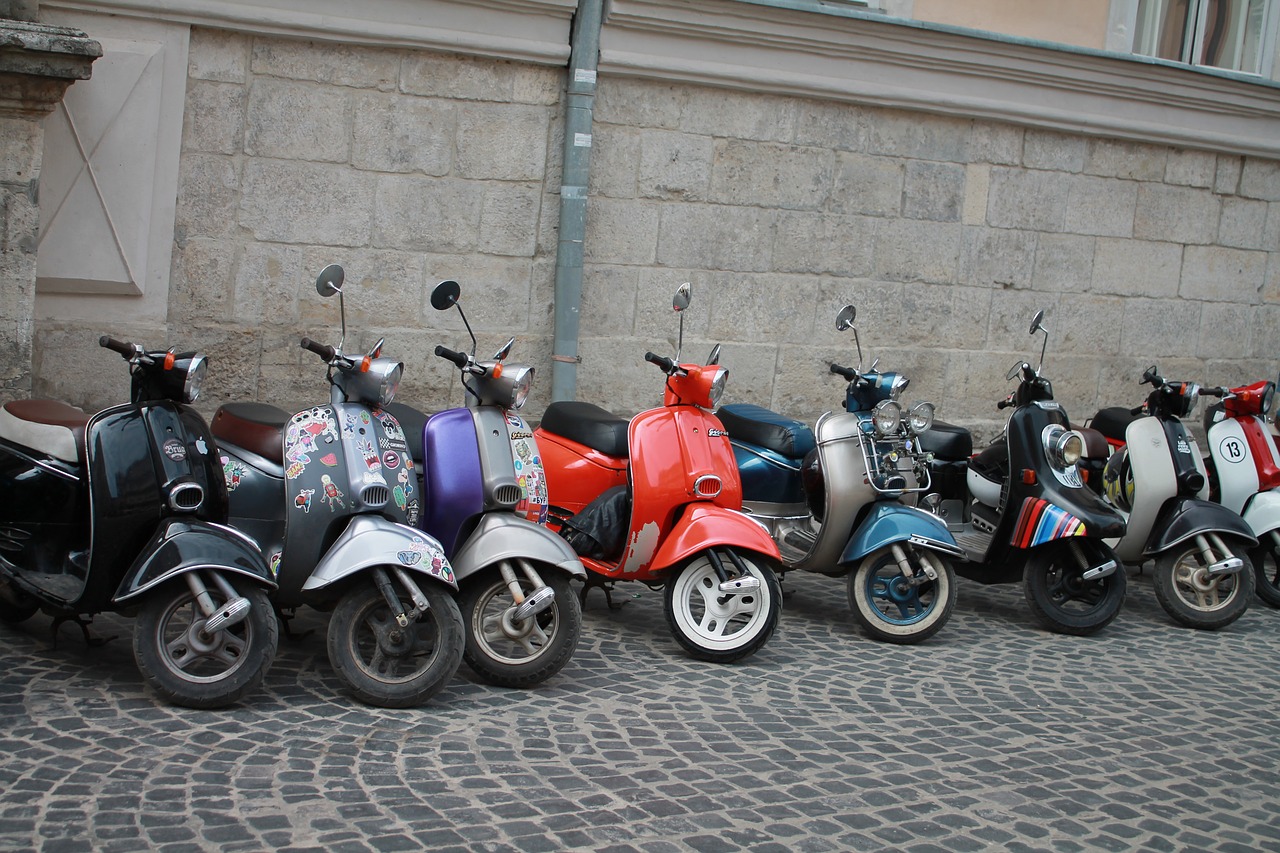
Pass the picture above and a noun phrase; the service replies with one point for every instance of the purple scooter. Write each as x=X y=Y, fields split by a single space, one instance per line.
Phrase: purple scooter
x=484 y=497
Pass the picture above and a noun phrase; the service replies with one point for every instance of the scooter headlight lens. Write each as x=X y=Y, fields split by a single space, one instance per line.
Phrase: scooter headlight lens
x=887 y=417
x=717 y=388
x=921 y=417
x=521 y=382
x=1064 y=447
x=196 y=372
x=1268 y=397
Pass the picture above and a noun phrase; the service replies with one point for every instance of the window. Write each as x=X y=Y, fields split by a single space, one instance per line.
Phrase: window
x=1232 y=34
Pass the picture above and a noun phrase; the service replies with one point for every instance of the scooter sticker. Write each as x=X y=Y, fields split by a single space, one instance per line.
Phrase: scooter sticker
x=528 y=467
x=427 y=556
x=274 y=564
x=303 y=500
x=175 y=450
x=232 y=471
x=1231 y=449
x=331 y=494
x=1040 y=521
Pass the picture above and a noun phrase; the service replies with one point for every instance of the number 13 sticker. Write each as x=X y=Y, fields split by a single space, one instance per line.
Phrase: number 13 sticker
x=1232 y=449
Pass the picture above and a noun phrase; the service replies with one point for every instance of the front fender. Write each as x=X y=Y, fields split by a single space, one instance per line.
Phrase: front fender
x=706 y=525
x=506 y=536
x=1262 y=513
x=1182 y=518
x=889 y=522
x=184 y=545
x=371 y=540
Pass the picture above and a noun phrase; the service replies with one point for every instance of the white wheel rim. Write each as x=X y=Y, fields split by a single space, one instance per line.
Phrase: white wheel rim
x=715 y=621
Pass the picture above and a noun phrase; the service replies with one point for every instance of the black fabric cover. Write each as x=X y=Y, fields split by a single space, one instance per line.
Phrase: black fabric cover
x=600 y=530
x=1112 y=421
x=766 y=428
x=588 y=424
x=947 y=441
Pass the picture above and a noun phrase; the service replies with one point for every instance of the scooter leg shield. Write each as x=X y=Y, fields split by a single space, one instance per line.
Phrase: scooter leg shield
x=705 y=525
x=371 y=540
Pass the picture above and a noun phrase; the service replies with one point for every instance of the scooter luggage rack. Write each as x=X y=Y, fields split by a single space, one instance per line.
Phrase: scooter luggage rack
x=880 y=479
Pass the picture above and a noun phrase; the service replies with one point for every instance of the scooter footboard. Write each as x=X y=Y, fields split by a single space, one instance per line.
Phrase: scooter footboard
x=888 y=523
x=1182 y=519
x=706 y=525
x=181 y=546
x=503 y=536
x=371 y=540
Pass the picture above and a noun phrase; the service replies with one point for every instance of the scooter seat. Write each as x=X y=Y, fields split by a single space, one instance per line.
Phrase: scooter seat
x=48 y=426
x=588 y=424
x=766 y=428
x=947 y=441
x=255 y=427
x=1113 y=421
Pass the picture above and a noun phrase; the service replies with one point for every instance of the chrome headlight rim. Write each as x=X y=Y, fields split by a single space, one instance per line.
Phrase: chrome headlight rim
x=1064 y=447
x=887 y=417
x=921 y=417
x=716 y=390
x=520 y=377
x=193 y=382
x=1268 y=398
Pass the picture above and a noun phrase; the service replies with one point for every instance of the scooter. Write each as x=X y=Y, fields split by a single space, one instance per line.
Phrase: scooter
x=319 y=490
x=124 y=512
x=1156 y=477
x=1244 y=474
x=484 y=497
x=1021 y=511
x=830 y=498
x=657 y=500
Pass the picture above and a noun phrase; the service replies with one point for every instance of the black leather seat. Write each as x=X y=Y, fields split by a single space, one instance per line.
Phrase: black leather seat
x=766 y=428
x=588 y=424
x=947 y=441
x=1112 y=421
x=993 y=463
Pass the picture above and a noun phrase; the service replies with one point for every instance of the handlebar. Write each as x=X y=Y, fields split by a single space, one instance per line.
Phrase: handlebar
x=1218 y=392
x=847 y=372
x=125 y=349
x=325 y=352
x=1004 y=404
x=458 y=358
x=665 y=363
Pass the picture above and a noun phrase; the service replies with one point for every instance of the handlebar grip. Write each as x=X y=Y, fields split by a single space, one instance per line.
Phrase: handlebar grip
x=1004 y=404
x=325 y=352
x=847 y=372
x=661 y=361
x=458 y=358
x=125 y=349
x=1218 y=392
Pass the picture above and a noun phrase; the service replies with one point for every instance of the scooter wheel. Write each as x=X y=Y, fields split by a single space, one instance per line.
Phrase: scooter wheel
x=890 y=608
x=388 y=666
x=1266 y=570
x=1193 y=598
x=718 y=627
x=520 y=653
x=1059 y=596
x=192 y=668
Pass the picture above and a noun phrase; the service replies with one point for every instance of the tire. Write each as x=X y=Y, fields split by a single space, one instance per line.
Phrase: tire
x=1266 y=569
x=15 y=605
x=1192 y=598
x=389 y=667
x=1059 y=596
x=889 y=608
x=195 y=670
x=520 y=654
x=721 y=628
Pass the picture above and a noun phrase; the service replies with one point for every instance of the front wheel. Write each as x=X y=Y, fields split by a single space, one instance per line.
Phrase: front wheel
x=719 y=627
x=1060 y=596
x=1193 y=597
x=518 y=653
x=897 y=609
x=387 y=665
x=1266 y=568
x=192 y=667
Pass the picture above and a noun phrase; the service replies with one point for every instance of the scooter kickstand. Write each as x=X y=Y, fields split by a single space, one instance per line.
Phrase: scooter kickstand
x=604 y=586
x=83 y=625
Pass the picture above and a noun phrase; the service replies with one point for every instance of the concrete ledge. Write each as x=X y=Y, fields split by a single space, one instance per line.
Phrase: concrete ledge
x=37 y=64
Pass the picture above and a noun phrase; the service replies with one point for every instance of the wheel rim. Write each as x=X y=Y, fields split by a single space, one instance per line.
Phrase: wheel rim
x=893 y=597
x=1070 y=593
x=190 y=652
x=1268 y=564
x=713 y=620
x=389 y=653
x=1197 y=589
x=506 y=640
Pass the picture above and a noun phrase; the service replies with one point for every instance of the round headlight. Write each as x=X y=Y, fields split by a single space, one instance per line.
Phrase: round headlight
x=1070 y=448
x=390 y=384
x=1190 y=396
x=717 y=388
x=520 y=392
x=1268 y=397
x=196 y=371
x=887 y=416
x=921 y=417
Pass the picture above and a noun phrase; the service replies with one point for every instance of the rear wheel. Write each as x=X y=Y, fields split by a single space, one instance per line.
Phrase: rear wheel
x=387 y=665
x=1266 y=568
x=716 y=626
x=897 y=609
x=1059 y=595
x=1193 y=597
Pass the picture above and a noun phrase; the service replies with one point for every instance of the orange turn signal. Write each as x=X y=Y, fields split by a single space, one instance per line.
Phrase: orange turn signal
x=1028 y=476
x=364 y=364
x=497 y=371
x=168 y=361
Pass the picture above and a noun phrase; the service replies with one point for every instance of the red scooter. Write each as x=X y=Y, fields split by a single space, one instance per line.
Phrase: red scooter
x=657 y=499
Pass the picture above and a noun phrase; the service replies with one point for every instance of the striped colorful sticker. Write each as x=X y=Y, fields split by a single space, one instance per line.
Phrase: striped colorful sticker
x=1040 y=522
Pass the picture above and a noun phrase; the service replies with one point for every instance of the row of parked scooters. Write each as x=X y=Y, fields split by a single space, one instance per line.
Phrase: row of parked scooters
x=458 y=536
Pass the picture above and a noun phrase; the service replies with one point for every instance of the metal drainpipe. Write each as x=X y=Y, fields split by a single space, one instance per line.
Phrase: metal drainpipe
x=584 y=52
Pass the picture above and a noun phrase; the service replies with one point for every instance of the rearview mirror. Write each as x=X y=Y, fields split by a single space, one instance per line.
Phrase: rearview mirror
x=329 y=282
x=844 y=320
x=684 y=293
x=445 y=295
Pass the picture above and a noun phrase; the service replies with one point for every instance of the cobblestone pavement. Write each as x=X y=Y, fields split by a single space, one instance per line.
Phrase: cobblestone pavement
x=995 y=734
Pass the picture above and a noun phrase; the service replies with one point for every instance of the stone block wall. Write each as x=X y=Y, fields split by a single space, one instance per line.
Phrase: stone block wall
x=20 y=138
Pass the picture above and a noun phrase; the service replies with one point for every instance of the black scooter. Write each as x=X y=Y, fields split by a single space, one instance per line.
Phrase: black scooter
x=124 y=511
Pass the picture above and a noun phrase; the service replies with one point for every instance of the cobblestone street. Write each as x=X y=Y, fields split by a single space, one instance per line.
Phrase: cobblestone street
x=995 y=734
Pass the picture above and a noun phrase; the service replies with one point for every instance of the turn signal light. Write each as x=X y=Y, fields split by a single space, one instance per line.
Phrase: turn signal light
x=364 y=364
x=1028 y=476
x=168 y=361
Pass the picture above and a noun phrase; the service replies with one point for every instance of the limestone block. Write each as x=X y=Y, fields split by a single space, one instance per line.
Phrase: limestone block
x=753 y=372
x=1064 y=263
x=615 y=162
x=608 y=304
x=997 y=257
x=234 y=370
x=1271 y=231
x=1227 y=178
x=467 y=78
x=213 y=119
x=713 y=237
x=329 y=62
x=976 y=382
x=740 y=115
x=218 y=55
x=289 y=202
x=1176 y=214
x=1086 y=324
x=1101 y=206
x=384 y=289
x=427 y=214
x=768 y=175
x=1136 y=268
x=621 y=231
x=501 y=142
x=1219 y=274
x=536 y=84
x=208 y=196
x=1119 y=379
x=656 y=322
x=1243 y=224
x=828 y=124
x=1271 y=289
x=977 y=189
x=823 y=243
x=1260 y=179
x=865 y=184
x=201 y=288
x=998 y=144
x=1226 y=331
x=930 y=316
x=911 y=250
x=1116 y=159
x=298 y=121
x=769 y=308
x=1191 y=168
x=1033 y=200
x=496 y=293
x=509 y=219
x=676 y=166
x=1046 y=149
x=273 y=280
x=933 y=191
x=62 y=356
x=1075 y=381
x=639 y=103
x=398 y=133
x=1159 y=328
x=1010 y=318
x=1264 y=323
x=614 y=374
x=898 y=133
x=21 y=147
x=548 y=226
